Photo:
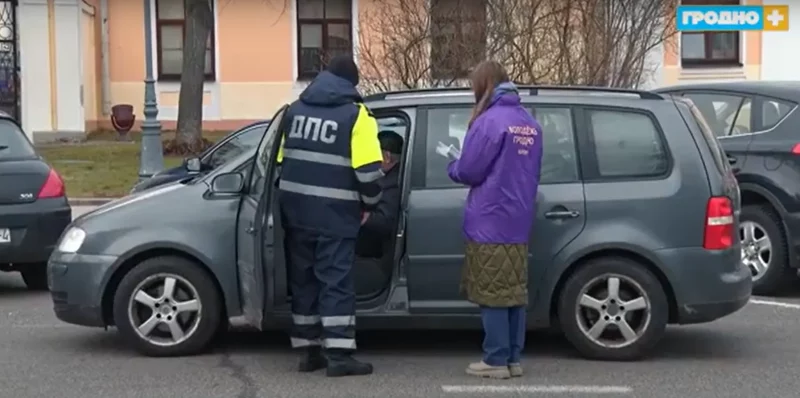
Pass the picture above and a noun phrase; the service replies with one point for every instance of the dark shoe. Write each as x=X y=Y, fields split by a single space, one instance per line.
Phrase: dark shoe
x=313 y=360
x=347 y=366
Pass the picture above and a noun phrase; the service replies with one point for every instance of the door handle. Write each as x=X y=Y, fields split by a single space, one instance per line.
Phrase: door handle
x=250 y=230
x=732 y=160
x=562 y=214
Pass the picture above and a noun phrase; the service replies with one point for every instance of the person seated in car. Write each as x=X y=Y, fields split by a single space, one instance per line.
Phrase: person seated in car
x=377 y=226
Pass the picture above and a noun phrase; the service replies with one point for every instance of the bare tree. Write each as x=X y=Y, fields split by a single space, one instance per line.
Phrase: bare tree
x=199 y=22
x=567 y=42
x=397 y=40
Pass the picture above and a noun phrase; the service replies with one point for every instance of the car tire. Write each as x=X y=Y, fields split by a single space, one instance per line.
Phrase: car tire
x=778 y=276
x=151 y=278
x=637 y=287
x=35 y=276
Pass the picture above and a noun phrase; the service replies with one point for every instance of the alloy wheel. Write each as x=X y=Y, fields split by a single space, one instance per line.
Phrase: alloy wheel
x=613 y=311
x=165 y=309
x=756 y=248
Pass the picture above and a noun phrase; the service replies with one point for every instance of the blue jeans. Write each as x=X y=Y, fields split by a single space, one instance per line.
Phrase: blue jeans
x=504 y=335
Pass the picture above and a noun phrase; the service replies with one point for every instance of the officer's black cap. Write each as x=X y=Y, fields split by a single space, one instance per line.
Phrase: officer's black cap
x=391 y=142
x=345 y=67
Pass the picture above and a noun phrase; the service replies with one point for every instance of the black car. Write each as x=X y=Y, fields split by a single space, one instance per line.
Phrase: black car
x=34 y=210
x=758 y=124
x=226 y=149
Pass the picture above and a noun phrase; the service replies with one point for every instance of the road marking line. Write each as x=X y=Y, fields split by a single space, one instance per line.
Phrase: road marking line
x=776 y=304
x=533 y=388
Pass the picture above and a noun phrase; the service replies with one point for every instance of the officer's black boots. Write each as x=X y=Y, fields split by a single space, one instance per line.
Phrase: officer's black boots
x=345 y=365
x=312 y=360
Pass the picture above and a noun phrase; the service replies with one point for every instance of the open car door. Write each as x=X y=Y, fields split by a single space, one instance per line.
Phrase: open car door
x=255 y=236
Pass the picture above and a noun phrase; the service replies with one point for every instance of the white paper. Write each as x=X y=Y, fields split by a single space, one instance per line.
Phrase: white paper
x=448 y=151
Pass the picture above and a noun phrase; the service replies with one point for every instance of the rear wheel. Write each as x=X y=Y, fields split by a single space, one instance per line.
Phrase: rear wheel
x=764 y=250
x=168 y=306
x=613 y=309
x=35 y=276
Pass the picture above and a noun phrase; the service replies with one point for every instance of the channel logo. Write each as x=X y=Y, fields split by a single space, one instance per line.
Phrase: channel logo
x=726 y=18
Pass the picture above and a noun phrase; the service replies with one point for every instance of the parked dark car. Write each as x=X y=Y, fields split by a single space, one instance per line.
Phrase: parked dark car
x=226 y=149
x=763 y=147
x=34 y=210
x=636 y=228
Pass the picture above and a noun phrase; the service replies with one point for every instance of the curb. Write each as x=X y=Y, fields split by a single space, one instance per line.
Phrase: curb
x=89 y=201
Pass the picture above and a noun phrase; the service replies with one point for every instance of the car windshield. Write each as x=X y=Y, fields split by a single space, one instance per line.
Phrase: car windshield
x=13 y=142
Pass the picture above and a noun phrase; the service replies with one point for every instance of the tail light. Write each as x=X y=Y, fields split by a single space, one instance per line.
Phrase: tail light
x=719 y=232
x=53 y=187
x=796 y=149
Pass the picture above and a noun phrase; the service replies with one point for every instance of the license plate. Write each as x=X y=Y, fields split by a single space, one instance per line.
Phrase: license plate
x=5 y=235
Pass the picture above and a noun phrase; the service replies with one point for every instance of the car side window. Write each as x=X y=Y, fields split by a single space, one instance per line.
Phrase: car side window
x=449 y=126
x=726 y=114
x=559 y=157
x=773 y=111
x=235 y=146
x=627 y=144
x=264 y=155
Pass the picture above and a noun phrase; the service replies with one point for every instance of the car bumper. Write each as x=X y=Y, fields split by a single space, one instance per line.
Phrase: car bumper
x=707 y=285
x=76 y=286
x=35 y=229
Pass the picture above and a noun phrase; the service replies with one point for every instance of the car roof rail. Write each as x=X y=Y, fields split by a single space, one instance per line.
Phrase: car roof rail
x=531 y=90
x=414 y=92
x=648 y=95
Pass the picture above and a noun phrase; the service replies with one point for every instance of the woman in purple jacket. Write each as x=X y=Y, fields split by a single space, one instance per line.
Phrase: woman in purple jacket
x=500 y=162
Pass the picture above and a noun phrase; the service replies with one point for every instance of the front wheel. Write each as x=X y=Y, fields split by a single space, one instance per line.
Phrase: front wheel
x=167 y=306
x=613 y=309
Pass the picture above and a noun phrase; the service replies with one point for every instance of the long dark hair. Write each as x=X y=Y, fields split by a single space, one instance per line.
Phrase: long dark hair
x=485 y=77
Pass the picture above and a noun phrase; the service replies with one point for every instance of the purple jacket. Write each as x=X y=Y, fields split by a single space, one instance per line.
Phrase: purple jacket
x=500 y=162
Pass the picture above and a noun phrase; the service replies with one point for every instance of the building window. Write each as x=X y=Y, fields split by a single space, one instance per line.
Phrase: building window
x=710 y=48
x=458 y=33
x=170 y=30
x=324 y=30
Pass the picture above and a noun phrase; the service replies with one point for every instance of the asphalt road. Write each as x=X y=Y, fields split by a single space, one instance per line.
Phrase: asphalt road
x=753 y=353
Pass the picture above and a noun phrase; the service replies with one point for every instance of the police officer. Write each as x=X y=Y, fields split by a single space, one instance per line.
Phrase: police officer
x=331 y=164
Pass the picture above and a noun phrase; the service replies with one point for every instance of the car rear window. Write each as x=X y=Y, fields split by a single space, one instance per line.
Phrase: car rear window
x=716 y=149
x=13 y=142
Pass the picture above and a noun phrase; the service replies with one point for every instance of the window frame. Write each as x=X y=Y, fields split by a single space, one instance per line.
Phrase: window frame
x=323 y=22
x=160 y=76
x=707 y=61
x=588 y=148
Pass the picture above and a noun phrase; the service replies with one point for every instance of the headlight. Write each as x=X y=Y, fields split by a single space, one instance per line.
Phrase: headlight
x=72 y=240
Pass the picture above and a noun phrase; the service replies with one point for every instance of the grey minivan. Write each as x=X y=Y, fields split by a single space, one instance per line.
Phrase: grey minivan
x=636 y=228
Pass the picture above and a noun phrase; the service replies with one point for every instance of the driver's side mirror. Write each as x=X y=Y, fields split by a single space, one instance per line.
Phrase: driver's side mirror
x=193 y=165
x=229 y=183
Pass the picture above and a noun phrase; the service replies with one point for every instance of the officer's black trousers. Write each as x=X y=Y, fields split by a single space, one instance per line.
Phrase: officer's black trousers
x=323 y=296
